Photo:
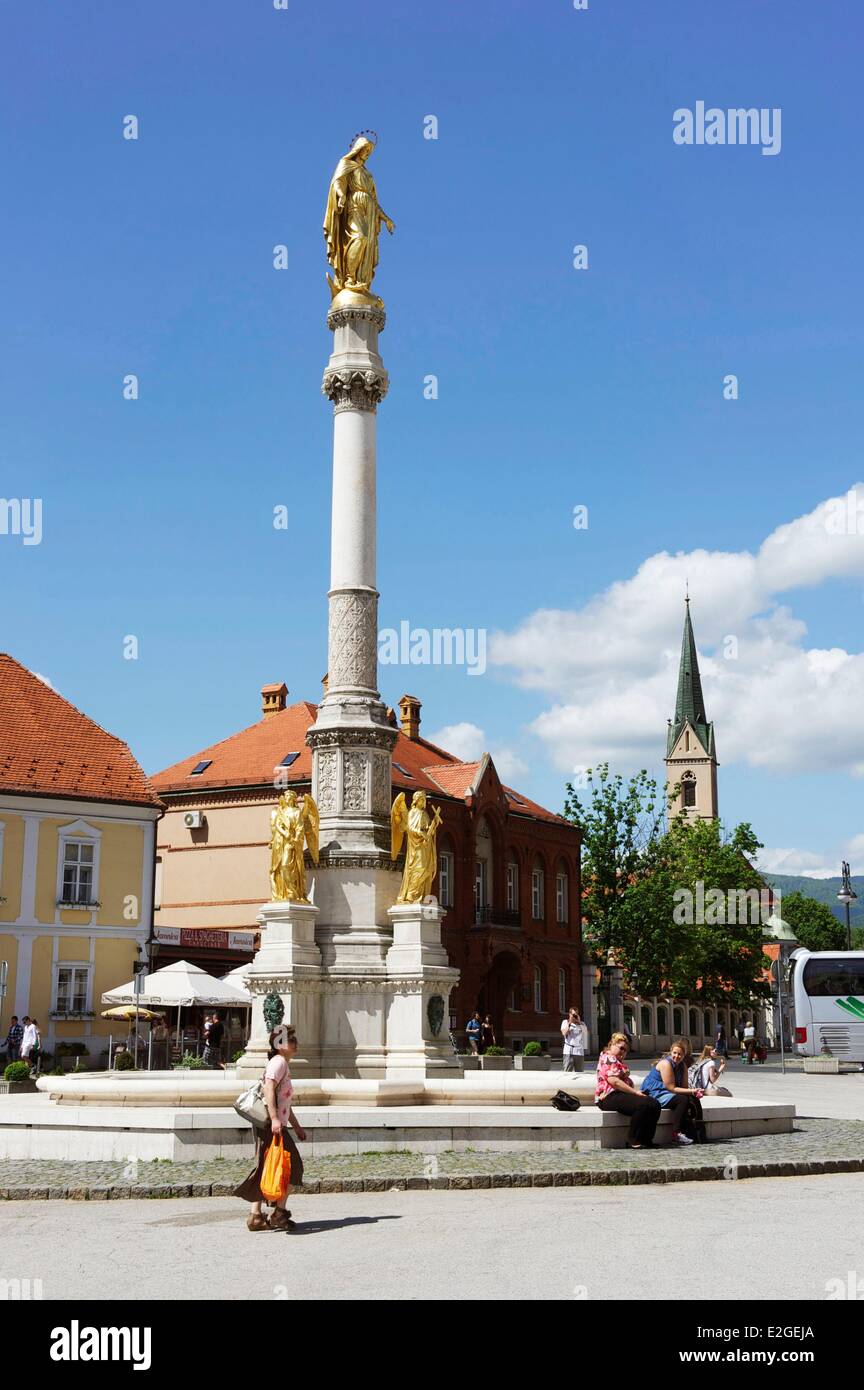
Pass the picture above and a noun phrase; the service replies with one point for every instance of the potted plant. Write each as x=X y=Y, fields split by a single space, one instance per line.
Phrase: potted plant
x=17 y=1079
x=497 y=1059
x=189 y=1062
x=532 y=1058
x=68 y=1053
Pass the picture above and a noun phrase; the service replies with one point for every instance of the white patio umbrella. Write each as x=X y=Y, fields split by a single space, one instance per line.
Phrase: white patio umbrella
x=237 y=978
x=178 y=986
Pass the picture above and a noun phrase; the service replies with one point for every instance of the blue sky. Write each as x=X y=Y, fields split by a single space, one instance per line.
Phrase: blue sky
x=557 y=387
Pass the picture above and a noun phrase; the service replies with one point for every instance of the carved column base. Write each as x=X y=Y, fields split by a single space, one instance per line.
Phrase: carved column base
x=418 y=1012
x=287 y=968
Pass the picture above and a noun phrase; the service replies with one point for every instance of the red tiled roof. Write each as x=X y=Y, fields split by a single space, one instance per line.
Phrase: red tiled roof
x=250 y=757
x=49 y=748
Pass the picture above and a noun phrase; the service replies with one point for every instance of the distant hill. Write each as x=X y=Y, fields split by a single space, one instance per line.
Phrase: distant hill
x=824 y=890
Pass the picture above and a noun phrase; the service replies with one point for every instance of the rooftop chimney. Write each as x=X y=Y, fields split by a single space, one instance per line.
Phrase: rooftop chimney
x=409 y=716
x=325 y=681
x=273 y=698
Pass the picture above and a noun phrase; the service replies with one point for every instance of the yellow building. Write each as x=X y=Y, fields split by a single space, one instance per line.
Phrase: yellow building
x=77 y=862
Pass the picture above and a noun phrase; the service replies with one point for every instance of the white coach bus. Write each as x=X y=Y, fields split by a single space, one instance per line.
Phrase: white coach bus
x=828 y=990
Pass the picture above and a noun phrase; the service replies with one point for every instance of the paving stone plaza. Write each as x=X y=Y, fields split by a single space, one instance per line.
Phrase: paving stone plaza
x=816 y=1146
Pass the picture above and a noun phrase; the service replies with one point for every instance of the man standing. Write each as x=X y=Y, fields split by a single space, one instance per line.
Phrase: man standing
x=573 y=1033
x=213 y=1042
x=14 y=1039
x=473 y=1031
x=29 y=1039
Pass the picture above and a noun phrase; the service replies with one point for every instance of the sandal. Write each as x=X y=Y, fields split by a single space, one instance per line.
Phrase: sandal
x=257 y=1222
x=281 y=1220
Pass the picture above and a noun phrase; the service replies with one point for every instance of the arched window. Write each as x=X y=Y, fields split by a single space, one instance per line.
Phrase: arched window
x=677 y=1022
x=645 y=1014
x=445 y=878
x=709 y=1029
x=538 y=990
x=537 y=891
x=562 y=913
x=482 y=869
x=688 y=789
x=694 y=1025
x=662 y=1020
x=512 y=886
x=733 y=1020
x=630 y=1020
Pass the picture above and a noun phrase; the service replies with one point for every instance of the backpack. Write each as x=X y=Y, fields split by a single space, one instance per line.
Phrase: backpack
x=694 y=1075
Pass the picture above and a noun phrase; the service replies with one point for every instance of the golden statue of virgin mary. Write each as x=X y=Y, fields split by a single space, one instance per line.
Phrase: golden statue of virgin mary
x=352 y=223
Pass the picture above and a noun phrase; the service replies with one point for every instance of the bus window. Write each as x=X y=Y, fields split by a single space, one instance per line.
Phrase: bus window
x=827 y=977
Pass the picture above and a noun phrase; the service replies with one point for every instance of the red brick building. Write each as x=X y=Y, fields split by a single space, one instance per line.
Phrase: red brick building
x=508 y=869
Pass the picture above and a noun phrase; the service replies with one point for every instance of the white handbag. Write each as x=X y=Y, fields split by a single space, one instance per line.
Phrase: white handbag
x=251 y=1105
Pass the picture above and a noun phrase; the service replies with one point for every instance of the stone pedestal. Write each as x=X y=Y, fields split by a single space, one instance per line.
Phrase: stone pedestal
x=288 y=964
x=419 y=981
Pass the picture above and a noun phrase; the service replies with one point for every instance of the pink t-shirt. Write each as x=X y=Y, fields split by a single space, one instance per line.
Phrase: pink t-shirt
x=277 y=1070
x=609 y=1066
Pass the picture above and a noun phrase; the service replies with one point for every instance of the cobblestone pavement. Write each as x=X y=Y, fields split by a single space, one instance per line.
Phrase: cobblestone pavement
x=815 y=1146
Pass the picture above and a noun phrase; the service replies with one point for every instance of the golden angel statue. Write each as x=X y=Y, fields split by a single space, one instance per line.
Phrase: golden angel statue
x=421 y=859
x=292 y=826
x=352 y=222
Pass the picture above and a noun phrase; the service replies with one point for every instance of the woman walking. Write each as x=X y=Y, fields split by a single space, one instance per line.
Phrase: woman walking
x=615 y=1091
x=665 y=1083
x=278 y=1096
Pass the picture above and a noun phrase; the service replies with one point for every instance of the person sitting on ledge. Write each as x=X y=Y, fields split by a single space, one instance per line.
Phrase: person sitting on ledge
x=665 y=1084
x=615 y=1091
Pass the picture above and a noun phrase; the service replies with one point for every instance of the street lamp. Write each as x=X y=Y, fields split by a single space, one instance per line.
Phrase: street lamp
x=846 y=896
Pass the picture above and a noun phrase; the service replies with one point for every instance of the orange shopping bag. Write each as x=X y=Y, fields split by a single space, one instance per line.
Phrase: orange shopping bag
x=276 y=1174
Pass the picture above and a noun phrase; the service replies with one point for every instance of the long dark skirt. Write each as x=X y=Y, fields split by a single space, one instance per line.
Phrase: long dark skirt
x=250 y=1187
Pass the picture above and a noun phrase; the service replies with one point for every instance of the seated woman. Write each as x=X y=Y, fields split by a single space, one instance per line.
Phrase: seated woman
x=665 y=1083
x=615 y=1091
x=711 y=1068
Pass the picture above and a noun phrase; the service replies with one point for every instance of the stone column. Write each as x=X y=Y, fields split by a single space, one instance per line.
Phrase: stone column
x=352 y=739
x=589 y=1007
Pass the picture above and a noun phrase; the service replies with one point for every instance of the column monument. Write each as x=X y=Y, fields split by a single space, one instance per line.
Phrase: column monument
x=375 y=968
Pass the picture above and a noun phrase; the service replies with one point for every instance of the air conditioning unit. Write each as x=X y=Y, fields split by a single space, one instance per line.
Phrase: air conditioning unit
x=193 y=820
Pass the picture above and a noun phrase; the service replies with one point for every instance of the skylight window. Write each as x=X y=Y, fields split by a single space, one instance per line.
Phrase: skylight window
x=404 y=771
x=200 y=767
x=288 y=759
x=511 y=796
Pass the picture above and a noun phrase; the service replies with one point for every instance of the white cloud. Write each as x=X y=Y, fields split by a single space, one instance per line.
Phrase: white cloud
x=468 y=742
x=610 y=668
x=797 y=862
x=465 y=741
x=44 y=679
x=813 y=865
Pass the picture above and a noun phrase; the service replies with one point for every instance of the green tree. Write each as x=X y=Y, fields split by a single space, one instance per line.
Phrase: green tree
x=813 y=923
x=672 y=907
x=720 y=899
x=619 y=821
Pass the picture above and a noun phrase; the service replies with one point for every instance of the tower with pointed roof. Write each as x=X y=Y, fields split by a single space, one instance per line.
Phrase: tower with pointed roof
x=691 y=756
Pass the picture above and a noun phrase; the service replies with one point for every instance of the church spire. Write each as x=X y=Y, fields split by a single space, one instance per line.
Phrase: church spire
x=691 y=758
x=690 y=703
